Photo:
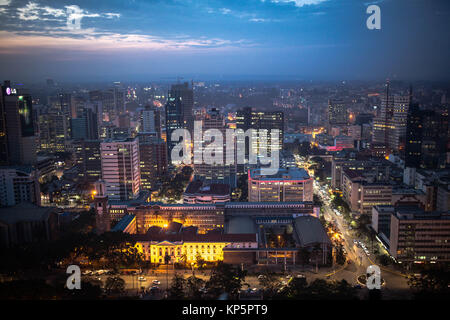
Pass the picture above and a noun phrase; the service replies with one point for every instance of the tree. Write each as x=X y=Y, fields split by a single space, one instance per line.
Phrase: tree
x=115 y=285
x=225 y=278
x=194 y=287
x=270 y=283
x=176 y=290
x=340 y=255
x=431 y=284
x=199 y=260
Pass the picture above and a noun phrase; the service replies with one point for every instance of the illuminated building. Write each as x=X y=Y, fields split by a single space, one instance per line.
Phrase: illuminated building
x=197 y=192
x=88 y=159
x=337 y=112
x=188 y=247
x=208 y=171
x=291 y=184
x=151 y=120
x=4 y=156
x=378 y=167
x=203 y=216
x=153 y=159
x=18 y=113
x=389 y=128
x=120 y=168
x=362 y=192
x=179 y=114
x=418 y=237
x=247 y=118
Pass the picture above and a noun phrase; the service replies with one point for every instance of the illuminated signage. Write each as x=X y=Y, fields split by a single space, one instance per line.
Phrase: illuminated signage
x=10 y=91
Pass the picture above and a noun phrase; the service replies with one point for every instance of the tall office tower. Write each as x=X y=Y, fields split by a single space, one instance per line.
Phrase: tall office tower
x=19 y=126
x=77 y=105
x=19 y=184
x=153 y=159
x=88 y=160
x=426 y=138
x=4 y=157
x=179 y=113
x=108 y=103
x=413 y=147
x=119 y=100
x=151 y=120
x=389 y=128
x=247 y=118
x=120 y=168
x=85 y=126
x=337 y=112
x=218 y=172
x=54 y=130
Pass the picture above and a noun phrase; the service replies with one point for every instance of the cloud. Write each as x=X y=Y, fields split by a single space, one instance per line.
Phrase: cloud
x=91 y=40
x=298 y=3
x=251 y=17
x=5 y=2
x=33 y=11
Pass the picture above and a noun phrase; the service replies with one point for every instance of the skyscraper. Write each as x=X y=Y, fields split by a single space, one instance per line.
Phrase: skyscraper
x=19 y=126
x=120 y=168
x=247 y=118
x=389 y=128
x=179 y=114
x=218 y=172
x=337 y=112
x=153 y=159
x=4 y=156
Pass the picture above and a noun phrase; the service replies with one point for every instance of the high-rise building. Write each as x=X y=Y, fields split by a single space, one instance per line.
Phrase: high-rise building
x=151 y=120
x=54 y=130
x=287 y=185
x=389 y=128
x=426 y=138
x=153 y=160
x=120 y=168
x=247 y=118
x=417 y=236
x=220 y=172
x=4 y=155
x=85 y=126
x=19 y=126
x=179 y=114
x=337 y=112
x=88 y=160
x=19 y=184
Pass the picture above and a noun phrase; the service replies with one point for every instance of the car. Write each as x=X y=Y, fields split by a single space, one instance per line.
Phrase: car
x=288 y=276
x=156 y=282
x=142 y=279
x=301 y=276
x=261 y=276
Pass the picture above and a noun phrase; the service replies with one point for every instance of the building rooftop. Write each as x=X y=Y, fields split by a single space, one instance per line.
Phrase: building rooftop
x=310 y=231
x=24 y=212
x=190 y=237
x=283 y=174
x=240 y=225
x=123 y=223
x=197 y=187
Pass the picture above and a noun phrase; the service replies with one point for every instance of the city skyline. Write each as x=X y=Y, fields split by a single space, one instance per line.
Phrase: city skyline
x=301 y=39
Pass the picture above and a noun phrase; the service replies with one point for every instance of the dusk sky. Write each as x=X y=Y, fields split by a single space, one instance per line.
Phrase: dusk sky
x=292 y=39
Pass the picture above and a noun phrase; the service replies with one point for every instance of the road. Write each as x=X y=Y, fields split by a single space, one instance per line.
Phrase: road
x=394 y=282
